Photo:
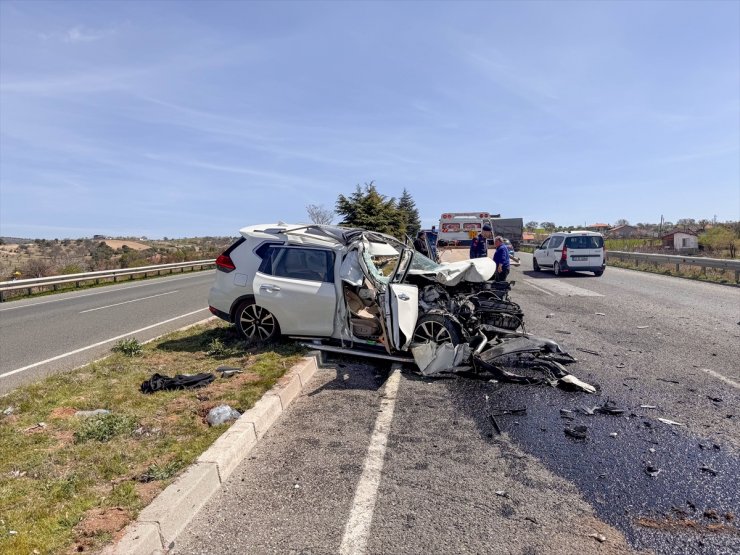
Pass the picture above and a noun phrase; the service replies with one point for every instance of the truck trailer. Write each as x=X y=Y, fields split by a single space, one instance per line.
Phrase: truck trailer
x=459 y=228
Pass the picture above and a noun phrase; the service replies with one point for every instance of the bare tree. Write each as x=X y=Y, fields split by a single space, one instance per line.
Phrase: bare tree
x=319 y=214
x=621 y=221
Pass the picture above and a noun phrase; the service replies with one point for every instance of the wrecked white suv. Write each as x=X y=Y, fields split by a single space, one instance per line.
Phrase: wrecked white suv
x=355 y=289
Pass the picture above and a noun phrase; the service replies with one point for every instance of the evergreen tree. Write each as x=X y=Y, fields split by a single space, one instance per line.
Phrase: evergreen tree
x=410 y=213
x=368 y=209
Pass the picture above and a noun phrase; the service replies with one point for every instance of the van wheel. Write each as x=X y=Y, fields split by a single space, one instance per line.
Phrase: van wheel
x=535 y=265
x=437 y=329
x=599 y=273
x=255 y=323
x=556 y=268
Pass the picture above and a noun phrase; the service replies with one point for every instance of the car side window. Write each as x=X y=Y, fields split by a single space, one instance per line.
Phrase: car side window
x=555 y=242
x=544 y=245
x=299 y=263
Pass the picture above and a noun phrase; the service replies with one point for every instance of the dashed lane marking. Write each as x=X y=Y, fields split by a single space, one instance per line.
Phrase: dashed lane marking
x=559 y=287
x=98 y=344
x=131 y=301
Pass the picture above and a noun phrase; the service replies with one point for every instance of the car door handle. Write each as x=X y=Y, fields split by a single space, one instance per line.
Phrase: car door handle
x=404 y=297
x=269 y=288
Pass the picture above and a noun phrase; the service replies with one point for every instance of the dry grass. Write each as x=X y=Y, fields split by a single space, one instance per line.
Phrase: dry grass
x=67 y=487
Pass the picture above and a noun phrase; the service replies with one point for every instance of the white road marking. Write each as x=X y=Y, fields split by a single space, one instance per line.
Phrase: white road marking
x=132 y=301
x=98 y=344
x=108 y=289
x=529 y=282
x=563 y=289
x=357 y=529
x=719 y=376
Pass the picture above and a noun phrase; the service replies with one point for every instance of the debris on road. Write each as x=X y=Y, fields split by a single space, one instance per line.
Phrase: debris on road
x=495 y=424
x=708 y=470
x=160 y=382
x=652 y=471
x=221 y=414
x=578 y=432
x=598 y=537
x=565 y=413
x=599 y=314
x=648 y=406
x=642 y=327
x=228 y=371
x=502 y=493
x=667 y=381
x=8 y=411
x=670 y=422
x=589 y=351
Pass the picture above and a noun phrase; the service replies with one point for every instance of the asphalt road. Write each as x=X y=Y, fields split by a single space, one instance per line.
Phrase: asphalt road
x=358 y=466
x=60 y=332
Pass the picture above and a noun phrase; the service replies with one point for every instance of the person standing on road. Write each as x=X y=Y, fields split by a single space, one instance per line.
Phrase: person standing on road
x=501 y=258
x=420 y=244
x=479 y=245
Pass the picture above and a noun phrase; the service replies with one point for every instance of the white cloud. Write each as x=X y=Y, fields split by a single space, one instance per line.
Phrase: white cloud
x=82 y=34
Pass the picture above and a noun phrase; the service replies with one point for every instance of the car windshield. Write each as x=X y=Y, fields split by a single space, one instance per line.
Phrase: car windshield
x=381 y=257
x=585 y=242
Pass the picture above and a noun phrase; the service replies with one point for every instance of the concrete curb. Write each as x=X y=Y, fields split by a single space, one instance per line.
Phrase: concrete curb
x=171 y=511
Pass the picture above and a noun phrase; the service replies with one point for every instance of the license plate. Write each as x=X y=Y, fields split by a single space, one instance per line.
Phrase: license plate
x=580 y=258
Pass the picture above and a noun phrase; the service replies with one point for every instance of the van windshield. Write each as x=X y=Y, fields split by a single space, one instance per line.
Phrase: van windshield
x=585 y=242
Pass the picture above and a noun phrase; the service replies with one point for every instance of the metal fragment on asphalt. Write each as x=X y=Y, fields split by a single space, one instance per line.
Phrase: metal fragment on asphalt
x=670 y=422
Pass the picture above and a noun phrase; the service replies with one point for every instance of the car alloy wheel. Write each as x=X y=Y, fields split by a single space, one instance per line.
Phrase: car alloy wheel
x=535 y=265
x=256 y=324
x=437 y=329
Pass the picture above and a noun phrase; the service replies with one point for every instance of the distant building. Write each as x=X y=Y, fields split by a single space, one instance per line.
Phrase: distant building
x=601 y=228
x=623 y=231
x=680 y=240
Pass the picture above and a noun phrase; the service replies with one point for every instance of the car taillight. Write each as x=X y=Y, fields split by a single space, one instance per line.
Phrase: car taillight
x=225 y=264
x=564 y=255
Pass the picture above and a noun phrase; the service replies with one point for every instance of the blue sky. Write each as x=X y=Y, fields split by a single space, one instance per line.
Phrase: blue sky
x=177 y=119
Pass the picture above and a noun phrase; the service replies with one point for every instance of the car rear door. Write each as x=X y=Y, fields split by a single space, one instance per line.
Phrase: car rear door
x=296 y=284
x=584 y=251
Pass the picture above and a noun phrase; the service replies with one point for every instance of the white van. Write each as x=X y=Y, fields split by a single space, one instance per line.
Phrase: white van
x=571 y=251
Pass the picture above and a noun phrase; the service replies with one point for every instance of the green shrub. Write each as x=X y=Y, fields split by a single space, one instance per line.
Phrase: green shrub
x=106 y=427
x=129 y=347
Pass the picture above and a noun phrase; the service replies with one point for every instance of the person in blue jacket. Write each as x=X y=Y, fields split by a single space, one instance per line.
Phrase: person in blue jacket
x=479 y=245
x=501 y=258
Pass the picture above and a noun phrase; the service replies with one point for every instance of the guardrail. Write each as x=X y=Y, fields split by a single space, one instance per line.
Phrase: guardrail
x=7 y=288
x=728 y=264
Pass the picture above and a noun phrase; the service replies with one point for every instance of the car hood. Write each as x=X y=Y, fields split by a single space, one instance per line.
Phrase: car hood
x=476 y=270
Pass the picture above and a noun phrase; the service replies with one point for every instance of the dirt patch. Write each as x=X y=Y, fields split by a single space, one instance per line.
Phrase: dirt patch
x=148 y=491
x=62 y=412
x=103 y=521
x=118 y=244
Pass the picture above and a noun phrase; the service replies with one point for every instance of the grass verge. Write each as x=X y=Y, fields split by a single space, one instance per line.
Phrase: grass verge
x=69 y=483
x=714 y=275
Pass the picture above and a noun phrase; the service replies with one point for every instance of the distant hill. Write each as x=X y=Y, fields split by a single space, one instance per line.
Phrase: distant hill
x=16 y=240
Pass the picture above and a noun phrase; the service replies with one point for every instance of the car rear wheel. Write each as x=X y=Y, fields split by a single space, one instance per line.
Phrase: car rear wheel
x=535 y=265
x=255 y=323
x=556 y=268
x=437 y=329
x=599 y=273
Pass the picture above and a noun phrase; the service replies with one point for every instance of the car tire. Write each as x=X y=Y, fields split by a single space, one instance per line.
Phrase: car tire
x=255 y=323
x=437 y=329
x=535 y=265
x=556 y=268
x=599 y=273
